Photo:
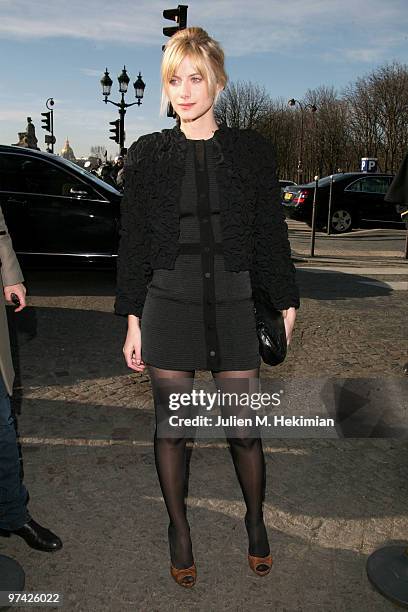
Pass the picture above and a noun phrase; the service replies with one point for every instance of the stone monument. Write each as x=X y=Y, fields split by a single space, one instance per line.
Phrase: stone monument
x=28 y=138
x=31 y=137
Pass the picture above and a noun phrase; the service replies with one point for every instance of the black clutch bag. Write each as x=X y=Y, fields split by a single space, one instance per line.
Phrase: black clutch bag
x=271 y=332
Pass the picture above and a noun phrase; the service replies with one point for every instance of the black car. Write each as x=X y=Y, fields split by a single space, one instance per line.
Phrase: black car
x=285 y=183
x=357 y=198
x=54 y=207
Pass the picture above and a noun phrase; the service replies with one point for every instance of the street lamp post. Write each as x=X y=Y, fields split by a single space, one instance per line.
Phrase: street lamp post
x=313 y=108
x=123 y=80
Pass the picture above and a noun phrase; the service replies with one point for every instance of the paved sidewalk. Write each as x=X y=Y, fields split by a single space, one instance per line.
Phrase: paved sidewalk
x=87 y=424
x=329 y=505
x=382 y=244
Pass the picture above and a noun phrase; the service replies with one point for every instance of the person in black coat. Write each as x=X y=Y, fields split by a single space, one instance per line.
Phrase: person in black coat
x=398 y=190
x=202 y=232
x=398 y=193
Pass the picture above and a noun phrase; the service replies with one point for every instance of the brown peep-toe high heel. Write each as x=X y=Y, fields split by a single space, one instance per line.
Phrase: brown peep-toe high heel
x=184 y=577
x=260 y=565
x=256 y=563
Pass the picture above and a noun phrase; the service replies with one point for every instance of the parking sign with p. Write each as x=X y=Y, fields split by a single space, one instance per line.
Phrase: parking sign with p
x=369 y=164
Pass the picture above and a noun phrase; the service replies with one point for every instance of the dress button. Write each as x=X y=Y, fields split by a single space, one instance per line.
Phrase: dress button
x=212 y=353
x=207 y=249
x=207 y=274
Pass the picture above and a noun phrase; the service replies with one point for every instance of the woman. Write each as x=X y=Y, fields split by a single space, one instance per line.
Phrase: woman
x=201 y=230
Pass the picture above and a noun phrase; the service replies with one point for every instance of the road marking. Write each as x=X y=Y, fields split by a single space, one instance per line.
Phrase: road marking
x=380 y=231
x=359 y=271
x=103 y=442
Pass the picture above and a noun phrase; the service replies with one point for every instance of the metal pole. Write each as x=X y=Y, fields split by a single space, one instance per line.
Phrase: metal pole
x=122 y=112
x=49 y=104
x=52 y=130
x=300 y=167
x=330 y=205
x=313 y=234
x=403 y=210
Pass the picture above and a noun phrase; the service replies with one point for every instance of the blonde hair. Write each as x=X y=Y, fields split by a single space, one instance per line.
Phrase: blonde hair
x=206 y=54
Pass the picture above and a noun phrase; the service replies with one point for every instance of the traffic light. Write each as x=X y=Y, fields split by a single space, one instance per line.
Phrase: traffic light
x=115 y=131
x=46 y=121
x=179 y=15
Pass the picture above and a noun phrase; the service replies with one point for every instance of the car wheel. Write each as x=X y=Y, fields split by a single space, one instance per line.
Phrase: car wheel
x=341 y=221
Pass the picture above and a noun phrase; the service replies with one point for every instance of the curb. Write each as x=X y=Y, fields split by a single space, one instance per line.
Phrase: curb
x=351 y=261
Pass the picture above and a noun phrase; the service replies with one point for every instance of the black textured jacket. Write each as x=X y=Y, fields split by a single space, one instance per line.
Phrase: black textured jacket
x=254 y=231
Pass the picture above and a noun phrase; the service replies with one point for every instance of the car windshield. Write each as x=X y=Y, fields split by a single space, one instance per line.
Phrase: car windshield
x=89 y=176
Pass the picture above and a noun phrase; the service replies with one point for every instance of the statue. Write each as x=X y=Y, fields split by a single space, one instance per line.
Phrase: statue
x=31 y=137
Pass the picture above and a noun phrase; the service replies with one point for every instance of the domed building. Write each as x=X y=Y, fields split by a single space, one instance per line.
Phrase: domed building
x=67 y=151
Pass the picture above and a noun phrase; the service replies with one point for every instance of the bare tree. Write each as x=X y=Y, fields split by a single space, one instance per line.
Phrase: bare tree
x=325 y=132
x=362 y=117
x=367 y=118
x=390 y=87
x=241 y=104
x=378 y=114
x=276 y=123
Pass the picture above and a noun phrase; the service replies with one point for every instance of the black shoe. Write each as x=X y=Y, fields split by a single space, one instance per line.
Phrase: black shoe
x=38 y=537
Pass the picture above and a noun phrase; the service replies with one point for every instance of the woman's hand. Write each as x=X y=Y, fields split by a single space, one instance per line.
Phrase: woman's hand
x=132 y=349
x=289 y=317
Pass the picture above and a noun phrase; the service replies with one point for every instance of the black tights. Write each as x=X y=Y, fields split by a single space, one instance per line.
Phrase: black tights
x=172 y=461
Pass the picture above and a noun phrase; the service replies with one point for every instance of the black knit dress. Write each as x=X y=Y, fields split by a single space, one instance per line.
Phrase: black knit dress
x=199 y=316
